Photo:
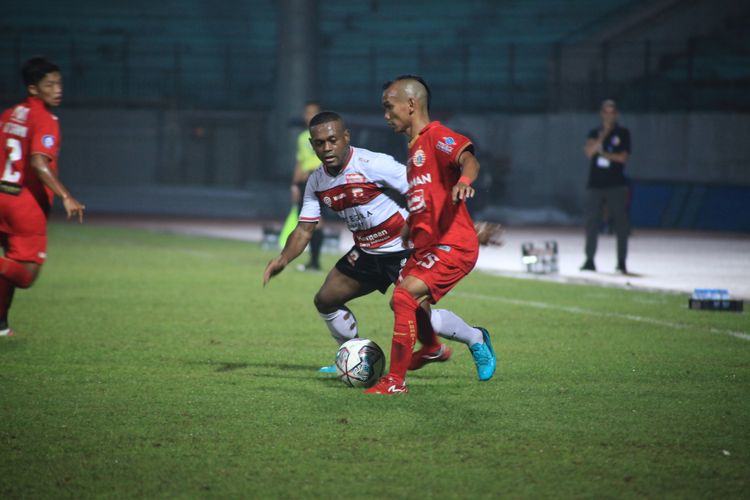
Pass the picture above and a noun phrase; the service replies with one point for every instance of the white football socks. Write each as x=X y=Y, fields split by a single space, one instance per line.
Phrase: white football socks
x=448 y=325
x=342 y=324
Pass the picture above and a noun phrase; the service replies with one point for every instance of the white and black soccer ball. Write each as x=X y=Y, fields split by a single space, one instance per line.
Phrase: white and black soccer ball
x=360 y=363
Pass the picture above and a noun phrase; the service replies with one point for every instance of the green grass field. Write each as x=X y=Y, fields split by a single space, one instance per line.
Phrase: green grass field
x=152 y=365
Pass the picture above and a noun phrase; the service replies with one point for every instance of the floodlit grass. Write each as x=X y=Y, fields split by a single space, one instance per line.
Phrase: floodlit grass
x=152 y=365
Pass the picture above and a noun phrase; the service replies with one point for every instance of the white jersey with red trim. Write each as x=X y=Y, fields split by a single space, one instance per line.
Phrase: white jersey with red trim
x=366 y=194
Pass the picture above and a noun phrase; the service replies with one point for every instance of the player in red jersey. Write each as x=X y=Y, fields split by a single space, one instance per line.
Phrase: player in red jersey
x=440 y=170
x=30 y=140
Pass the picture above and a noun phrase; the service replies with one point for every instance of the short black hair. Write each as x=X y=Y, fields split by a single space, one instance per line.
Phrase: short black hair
x=35 y=69
x=325 y=117
x=412 y=77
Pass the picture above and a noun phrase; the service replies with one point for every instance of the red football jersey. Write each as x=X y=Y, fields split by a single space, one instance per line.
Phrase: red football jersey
x=433 y=170
x=25 y=129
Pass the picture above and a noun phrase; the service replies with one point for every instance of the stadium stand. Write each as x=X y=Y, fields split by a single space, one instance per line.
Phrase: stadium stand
x=488 y=56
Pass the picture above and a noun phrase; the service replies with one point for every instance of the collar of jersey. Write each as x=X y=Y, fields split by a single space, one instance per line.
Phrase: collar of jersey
x=34 y=101
x=348 y=161
x=424 y=129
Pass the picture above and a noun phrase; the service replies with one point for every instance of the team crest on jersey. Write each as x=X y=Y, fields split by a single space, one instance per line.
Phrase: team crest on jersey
x=449 y=141
x=48 y=141
x=327 y=200
x=419 y=158
x=21 y=113
x=615 y=140
x=354 y=178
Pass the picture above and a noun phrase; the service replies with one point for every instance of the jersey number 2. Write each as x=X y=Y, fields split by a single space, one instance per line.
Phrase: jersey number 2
x=15 y=154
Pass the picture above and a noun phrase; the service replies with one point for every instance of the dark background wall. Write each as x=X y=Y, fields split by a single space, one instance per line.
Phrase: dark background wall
x=191 y=107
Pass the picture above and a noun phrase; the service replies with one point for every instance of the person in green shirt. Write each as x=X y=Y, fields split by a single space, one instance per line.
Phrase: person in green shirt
x=307 y=161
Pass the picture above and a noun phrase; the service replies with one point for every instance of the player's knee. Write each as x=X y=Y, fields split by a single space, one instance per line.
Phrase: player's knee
x=324 y=304
x=26 y=279
x=402 y=299
x=33 y=275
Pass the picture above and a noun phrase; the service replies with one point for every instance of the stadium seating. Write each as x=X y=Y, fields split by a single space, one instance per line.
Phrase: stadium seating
x=486 y=55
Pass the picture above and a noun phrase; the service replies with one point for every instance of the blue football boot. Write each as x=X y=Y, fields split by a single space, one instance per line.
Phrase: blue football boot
x=484 y=356
x=328 y=369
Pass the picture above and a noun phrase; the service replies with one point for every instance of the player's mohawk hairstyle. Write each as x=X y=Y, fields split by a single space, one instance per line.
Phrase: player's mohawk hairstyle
x=412 y=77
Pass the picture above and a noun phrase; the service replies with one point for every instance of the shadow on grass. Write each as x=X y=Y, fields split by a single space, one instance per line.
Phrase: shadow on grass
x=298 y=371
x=230 y=366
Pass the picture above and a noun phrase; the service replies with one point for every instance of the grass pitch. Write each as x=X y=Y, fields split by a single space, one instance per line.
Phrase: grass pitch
x=152 y=365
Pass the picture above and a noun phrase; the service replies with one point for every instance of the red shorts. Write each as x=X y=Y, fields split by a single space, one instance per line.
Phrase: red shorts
x=23 y=228
x=441 y=268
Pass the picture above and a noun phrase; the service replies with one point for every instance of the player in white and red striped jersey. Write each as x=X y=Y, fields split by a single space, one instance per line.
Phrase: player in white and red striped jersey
x=366 y=189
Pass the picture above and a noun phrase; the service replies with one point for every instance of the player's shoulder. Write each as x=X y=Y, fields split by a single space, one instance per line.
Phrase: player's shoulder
x=317 y=176
x=364 y=158
x=19 y=112
x=40 y=114
x=446 y=135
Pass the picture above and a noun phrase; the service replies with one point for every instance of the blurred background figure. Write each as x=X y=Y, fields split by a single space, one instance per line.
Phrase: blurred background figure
x=306 y=162
x=608 y=148
x=183 y=111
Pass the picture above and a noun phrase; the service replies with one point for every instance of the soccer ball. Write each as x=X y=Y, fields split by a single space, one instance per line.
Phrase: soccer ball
x=360 y=362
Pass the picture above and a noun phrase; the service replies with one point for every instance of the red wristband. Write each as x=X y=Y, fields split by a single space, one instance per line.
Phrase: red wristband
x=464 y=180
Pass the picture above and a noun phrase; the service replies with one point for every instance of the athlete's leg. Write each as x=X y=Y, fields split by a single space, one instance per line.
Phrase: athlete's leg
x=477 y=339
x=449 y=325
x=617 y=203
x=20 y=274
x=23 y=274
x=316 y=244
x=593 y=218
x=407 y=297
x=6 y=297
x=425 y=330
x=336 y=291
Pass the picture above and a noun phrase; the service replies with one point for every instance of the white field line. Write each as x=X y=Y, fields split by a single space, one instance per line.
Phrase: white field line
x=589 y=312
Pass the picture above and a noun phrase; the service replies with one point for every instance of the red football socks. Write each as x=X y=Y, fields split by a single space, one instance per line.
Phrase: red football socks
x=404 y=332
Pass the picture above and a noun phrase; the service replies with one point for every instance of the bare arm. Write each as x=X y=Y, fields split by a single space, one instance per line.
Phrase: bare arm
x=469 y=172
x=594 y=146
x=616 y=157
x=295 y=245
x=40 y=164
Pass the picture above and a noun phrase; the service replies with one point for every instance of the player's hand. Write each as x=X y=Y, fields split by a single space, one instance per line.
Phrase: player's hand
x=273 y=268
x=489 y=233
x=461 y=192
x=73 y=208
x=405 y=234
